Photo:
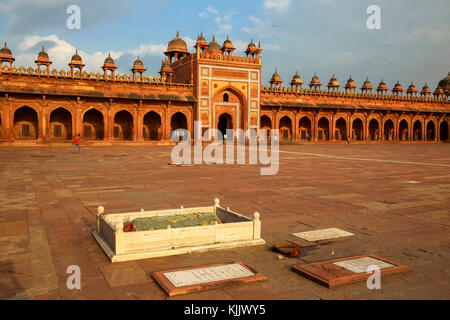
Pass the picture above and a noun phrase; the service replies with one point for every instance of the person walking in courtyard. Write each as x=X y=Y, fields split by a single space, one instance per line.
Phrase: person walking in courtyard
x=77 y=143
x=348 y=139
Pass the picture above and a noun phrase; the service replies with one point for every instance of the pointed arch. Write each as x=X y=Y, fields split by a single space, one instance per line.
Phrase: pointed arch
x=25 y=123
x=93 y=125
x=123 y=126
x=60 y=124
x=340 y=132
x=285 y=128
x=152 y=126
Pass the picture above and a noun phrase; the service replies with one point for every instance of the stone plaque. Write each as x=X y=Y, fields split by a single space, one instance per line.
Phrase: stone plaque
x=337 y=272
x=186 y=280
x=323 y=234
x=360 y=265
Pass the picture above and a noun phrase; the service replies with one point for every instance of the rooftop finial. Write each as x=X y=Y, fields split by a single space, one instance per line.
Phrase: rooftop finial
x=178 y=33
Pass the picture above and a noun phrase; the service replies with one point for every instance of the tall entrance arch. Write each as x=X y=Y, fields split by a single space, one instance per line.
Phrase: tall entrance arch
x=357 y=130
x=225 y=123
x=374 y=130
x=286 y=128
x=178 y=121
x=304 y=127
x=323 y=130
x=123 y=126
x=431 y=131
x=417 y=130
x=389 y=130
x=25 y=124
x=403 y=132
x=93 y=125
x=341 y=130
x=60 y=124
x=152 y=126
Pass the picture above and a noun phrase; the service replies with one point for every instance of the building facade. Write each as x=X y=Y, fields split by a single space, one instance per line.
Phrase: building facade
x=40 y=105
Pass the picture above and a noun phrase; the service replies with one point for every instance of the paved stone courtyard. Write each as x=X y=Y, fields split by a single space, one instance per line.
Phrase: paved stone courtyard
x=395 y=198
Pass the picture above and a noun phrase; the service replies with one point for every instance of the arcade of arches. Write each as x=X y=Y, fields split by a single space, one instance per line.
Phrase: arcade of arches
x=370 y=128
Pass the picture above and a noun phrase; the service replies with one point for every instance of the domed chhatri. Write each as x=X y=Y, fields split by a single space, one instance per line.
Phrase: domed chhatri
x=5 y=51
x=77 y=57
x=333 y=84
x=439 y=92
x=177 y=44
x=227 y=47
x=315 y=82
x=109 y=60
x=445 y=84
x=201 y=44
x=138 y=68
x=166 y=71
x=44 y=60
x=367 y=86
x=109 y=65
x=382 y=87
x=176 y=49
x=214 y=47
x=296 y=81
x=252 y=50
x=76 y=63
x=276 y=80
x=6 y=56
x=350 y=85
x=425 y=90
x=412 y=90
x=398 y=89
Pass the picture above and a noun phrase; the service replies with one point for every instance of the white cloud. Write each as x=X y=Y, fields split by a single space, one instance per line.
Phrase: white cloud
x=262 y=28
x=277 y=4
x=212 y=10
x=148 y=49
x=202 y=15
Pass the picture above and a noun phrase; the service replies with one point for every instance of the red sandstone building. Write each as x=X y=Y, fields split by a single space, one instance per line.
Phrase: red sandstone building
x=211 y=85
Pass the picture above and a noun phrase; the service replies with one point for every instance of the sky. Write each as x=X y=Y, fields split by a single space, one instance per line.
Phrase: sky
x=324 y=36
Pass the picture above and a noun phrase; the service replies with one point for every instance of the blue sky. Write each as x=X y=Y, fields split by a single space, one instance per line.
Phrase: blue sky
x=323 y=36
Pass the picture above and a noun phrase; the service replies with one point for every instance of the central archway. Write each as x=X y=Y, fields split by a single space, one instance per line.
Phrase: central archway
x=358 y=130
x=266 y=124
x=60 y=124
x=431 y=131
x=286 y=128
x=304 y=126
x=323 y=129
x=389 y=130
x=26 y=123
x=374 y=130
x=403 y=130
x=178 y=121
x=152 y=126
x=123 y=126
x=417 y=130
x=93 y=125
x=341 y=129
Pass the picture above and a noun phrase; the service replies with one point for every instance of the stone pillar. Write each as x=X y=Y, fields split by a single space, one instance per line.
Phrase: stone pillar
x=140 y=124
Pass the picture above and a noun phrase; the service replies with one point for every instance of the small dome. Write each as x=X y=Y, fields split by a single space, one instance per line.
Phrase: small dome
x=397 y=88
x=138 y=62
x=76 y=57
x=177 y=44
x=367 y=85
x=350 y=84
x=296 y=79
x=412 y=88
x=445 y=83
x=276 y=77
x=425 y=90
x=5 y=50
x=201 y=40
x=227 y=44
x=315 y=81
x=382 y=86
x=333 y=82
x=213 y=46
x=43 y=54
x=109 y=60
x=251 y=45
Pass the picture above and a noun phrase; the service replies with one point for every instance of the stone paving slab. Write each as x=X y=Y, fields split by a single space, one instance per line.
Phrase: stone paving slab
x=396 y=204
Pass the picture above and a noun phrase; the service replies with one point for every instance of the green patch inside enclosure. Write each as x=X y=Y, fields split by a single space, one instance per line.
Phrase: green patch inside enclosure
x=175 y=221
